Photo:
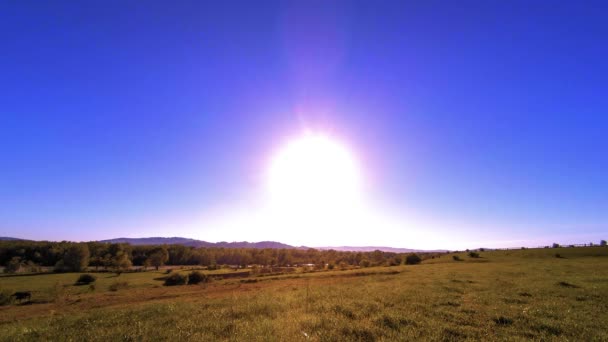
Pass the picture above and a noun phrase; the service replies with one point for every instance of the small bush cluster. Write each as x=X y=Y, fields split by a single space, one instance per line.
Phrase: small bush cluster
x=365 y=263
x=473 y=254
x=176 y=279
x=6 y=297
x=456 y=258
x=119 y=285
x=394 y=261
x=85 y=279
x=195 y=277
x=412 y=259
x=503 y=320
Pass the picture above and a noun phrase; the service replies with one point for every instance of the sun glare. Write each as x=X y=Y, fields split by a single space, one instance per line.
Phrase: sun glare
x=314 y=175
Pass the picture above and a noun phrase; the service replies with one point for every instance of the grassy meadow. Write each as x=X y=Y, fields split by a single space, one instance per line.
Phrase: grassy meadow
x=503 y=295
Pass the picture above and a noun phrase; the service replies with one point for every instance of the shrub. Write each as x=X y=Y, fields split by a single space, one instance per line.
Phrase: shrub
x=503 y=320
x=14 y=265
x=364 y=263
x=412 y=259
x=456 y=258
x=119 y=285
x=33 y=267
x=555 y=245
x=196 y=277
x=473 y=254
x=6 y=297
x=85 y=279
x=176 y=279
x=330 y=266
x=396 y=261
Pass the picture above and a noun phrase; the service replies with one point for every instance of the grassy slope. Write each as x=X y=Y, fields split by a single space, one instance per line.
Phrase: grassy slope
x=510 y=295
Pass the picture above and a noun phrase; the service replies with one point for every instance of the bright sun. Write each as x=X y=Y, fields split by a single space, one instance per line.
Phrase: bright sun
x=314 y=175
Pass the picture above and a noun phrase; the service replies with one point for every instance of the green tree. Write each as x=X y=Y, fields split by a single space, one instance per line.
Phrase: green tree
x=603 y=243
x=146 y=264
x=121 y=262
x=14 y=265
x=159 y=257
x=76 y=258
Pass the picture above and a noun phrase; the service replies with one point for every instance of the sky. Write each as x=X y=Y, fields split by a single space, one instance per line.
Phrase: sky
x=469 y=123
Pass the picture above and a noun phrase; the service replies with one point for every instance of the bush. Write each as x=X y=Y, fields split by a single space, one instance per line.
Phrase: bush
x=119 y=285
x=196 y=277
x=456 y=258
x=85 y=279
x=176 y=279
x=396 y=261
x=6 y=297
x=412 y=259
x=364 y=263
x=503 y=320
x=473 y=254
x=14 y=265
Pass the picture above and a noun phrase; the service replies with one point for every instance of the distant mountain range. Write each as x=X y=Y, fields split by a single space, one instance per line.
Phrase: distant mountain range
x=197 y=243
x=242 y=244
x=5 y=238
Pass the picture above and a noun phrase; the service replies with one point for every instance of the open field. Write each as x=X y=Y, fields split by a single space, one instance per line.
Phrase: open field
x=504 y=295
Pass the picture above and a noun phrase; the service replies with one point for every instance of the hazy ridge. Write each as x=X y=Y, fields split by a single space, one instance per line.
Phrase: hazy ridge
x=240 y=244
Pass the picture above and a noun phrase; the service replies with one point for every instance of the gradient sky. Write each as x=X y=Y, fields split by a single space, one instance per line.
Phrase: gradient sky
x=478 y=123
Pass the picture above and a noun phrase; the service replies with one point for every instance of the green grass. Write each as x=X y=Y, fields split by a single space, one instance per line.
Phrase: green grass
x=504 y=295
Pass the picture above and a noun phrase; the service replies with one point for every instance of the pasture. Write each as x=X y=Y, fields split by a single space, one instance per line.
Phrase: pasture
x=503 y=295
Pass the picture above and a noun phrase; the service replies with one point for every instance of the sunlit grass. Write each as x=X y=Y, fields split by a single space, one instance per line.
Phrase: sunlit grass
x=506 y=295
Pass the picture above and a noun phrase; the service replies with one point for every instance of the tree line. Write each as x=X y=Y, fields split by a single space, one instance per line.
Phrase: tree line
x=72 y=257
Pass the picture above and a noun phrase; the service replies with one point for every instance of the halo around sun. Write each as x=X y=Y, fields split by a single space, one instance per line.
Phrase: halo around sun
x=313 y=174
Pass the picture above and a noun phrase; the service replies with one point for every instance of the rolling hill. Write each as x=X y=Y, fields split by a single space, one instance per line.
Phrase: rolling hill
x=239 y=244
x=197 y=243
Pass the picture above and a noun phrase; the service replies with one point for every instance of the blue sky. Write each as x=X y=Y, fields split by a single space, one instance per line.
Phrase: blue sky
x=475 y=122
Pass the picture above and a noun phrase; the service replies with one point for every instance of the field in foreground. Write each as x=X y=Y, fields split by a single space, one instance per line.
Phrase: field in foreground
x=504 y=295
